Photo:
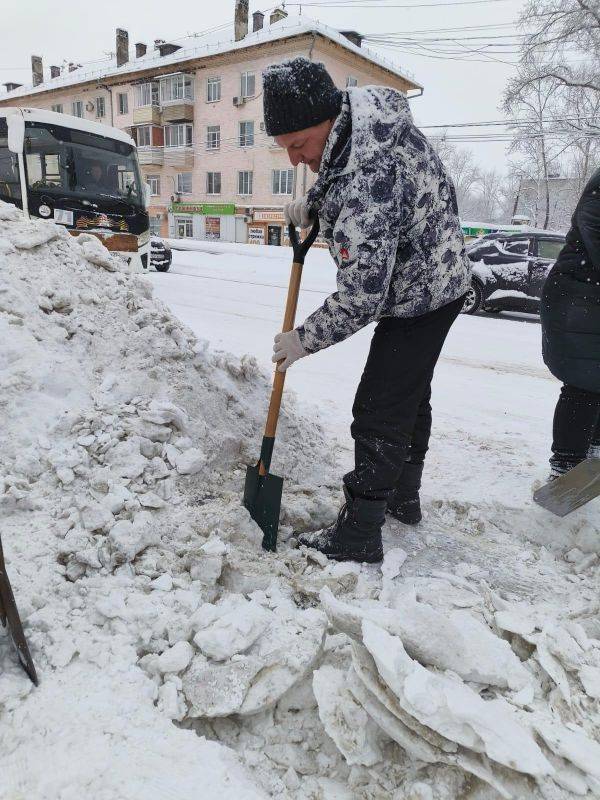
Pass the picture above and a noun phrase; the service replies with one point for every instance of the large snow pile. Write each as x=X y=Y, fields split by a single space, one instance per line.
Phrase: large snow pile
x=177 y=659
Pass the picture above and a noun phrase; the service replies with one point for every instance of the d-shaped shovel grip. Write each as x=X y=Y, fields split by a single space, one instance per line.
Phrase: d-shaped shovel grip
x=301 y=248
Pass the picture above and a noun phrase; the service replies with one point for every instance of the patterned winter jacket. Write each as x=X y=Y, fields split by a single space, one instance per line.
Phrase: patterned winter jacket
x=388 y=213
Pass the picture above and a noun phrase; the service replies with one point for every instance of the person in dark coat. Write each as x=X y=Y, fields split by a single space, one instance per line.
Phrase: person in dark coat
x=570 y=313
x=387 y=210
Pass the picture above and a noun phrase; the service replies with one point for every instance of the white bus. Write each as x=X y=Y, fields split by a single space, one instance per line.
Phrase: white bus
x=81 y=174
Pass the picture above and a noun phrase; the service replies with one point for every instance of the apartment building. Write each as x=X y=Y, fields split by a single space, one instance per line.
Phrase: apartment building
x=195 y=112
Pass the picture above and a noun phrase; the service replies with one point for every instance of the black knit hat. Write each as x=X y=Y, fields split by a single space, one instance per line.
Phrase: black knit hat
x=298 y=94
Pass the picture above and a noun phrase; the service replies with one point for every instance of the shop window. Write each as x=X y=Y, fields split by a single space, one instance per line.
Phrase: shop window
x=184 y=227
x=154 y=224
x=212 y=227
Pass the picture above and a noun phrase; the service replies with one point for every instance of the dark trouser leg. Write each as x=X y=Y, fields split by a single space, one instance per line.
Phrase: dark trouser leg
x=395 y=382
x=576 y=421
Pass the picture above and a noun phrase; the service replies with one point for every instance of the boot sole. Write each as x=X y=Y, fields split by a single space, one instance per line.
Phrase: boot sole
x=405 y=521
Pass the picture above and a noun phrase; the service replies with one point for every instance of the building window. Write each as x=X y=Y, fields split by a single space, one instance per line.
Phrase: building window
x=176 y=88
x=146 y=94
x=213 y=183
x=351 y=81
x=58 y=108
x=100 y=107
x=180 y=135
x=184 y=182
x=245 y=182
x=248 y=84
x=283 y=180
x=154 y=224
x=246 y=137
x=144 y=136
x=153 y=182
x=213 y=90
x=77 y=108
x=213 y=137
x=184 y=228
x=123 y=102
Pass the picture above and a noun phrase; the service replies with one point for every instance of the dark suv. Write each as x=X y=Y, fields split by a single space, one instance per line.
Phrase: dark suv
x=509 y=270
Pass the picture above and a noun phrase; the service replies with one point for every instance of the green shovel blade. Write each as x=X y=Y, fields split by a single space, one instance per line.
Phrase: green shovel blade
x=262 y=498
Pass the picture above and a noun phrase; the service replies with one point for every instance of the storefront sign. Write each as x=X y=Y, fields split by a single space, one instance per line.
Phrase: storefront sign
x=256 y=235
x=269 y=216
x=220 y=209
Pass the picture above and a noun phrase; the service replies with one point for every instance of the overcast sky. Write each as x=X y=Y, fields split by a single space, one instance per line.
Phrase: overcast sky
x=455 y=90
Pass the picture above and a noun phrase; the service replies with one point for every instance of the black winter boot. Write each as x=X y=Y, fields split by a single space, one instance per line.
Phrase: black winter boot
x=355 y=536
x=404 y=504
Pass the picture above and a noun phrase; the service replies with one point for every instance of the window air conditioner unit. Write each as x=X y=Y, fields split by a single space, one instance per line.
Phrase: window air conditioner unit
x=239 y=101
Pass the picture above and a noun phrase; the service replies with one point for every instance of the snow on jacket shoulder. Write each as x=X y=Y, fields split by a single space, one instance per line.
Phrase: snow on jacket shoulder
x=388 y=213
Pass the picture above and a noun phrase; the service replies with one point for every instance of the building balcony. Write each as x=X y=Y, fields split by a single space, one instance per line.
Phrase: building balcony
x=146 y=115
x=178 y=156
x=178 y=111
x=151 y=155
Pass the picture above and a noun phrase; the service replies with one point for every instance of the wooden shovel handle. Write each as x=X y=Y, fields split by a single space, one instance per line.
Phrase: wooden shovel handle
x=288 y=325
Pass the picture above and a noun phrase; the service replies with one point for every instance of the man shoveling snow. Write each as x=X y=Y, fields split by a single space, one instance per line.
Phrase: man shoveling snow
x=388 y=213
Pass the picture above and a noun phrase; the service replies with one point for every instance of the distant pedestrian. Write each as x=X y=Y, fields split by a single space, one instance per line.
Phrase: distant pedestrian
x=388 y=213
x=570 y=315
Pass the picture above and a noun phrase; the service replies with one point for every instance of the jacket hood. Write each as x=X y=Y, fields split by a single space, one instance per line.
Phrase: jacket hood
x=379 y=116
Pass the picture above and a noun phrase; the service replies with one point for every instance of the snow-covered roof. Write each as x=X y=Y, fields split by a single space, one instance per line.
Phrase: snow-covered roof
x=78 y=123
x=209 y=44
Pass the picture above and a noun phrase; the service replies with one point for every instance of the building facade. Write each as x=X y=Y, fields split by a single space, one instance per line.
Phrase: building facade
x=196 y=116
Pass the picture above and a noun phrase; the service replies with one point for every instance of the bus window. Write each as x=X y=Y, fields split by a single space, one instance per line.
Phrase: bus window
x=10 y=185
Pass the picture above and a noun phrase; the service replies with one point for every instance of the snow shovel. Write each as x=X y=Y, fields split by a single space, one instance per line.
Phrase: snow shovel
x=262 y=491
x=572 y=490
x=9 y=615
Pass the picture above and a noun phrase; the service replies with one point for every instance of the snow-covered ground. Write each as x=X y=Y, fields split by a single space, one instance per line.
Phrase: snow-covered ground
x=176 y=658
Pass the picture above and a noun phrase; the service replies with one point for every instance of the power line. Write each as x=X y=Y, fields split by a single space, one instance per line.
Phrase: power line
x=370 y=4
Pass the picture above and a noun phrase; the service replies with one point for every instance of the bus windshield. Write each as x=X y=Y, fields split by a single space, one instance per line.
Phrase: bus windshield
x=81 y=166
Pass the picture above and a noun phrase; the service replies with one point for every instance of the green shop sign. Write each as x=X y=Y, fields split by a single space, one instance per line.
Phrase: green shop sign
x=218 y=209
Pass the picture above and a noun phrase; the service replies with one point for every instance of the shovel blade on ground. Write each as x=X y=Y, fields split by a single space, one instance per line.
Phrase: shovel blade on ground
x=262 y=498
x=9 y=617
x=572 y=490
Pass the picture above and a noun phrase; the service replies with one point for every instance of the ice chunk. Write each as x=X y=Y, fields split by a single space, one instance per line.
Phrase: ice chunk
x=218 y=690
x=234 y=632
x=574 y=745
x=455 y=640
x=590 y=678
x=176 y=658
x=190 y=461
x=344 y=719
x=453 y=709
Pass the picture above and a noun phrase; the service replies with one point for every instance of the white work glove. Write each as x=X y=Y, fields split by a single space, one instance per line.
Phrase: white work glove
x=287 y=349
x=297 y=214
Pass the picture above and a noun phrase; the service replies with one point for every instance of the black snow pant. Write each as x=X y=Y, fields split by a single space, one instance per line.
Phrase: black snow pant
x=392 y=412
x=576 y=427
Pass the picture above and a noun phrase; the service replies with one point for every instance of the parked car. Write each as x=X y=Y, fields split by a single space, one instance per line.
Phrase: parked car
x=160 y=255
x=509 y=270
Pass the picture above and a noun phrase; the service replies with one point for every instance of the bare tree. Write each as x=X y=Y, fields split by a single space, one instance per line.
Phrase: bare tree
x=555 y=31
x=530 y=101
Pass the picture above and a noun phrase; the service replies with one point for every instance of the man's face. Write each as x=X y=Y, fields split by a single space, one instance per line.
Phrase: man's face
x=96 y=172
x=306 y=147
